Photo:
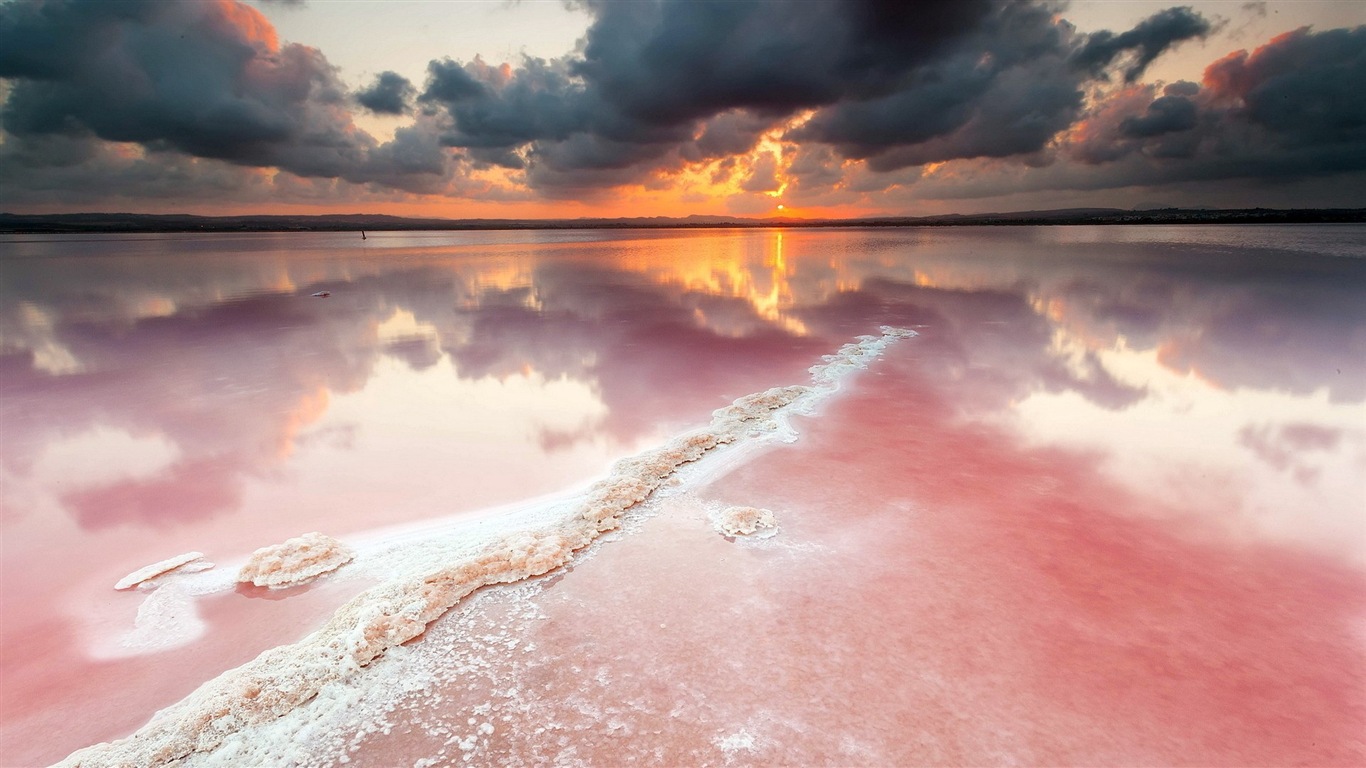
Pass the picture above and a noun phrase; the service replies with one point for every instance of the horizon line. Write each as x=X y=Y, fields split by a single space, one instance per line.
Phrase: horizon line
x=97 y=222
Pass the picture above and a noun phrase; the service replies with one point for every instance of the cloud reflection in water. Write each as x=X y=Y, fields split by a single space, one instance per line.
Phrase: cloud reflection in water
x=225 y=357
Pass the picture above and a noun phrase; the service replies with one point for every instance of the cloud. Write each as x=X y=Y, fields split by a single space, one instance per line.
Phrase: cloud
x=1302 y=87
x=669 y=62
x=449 y=82
x=390 y=94
x=1005 y=91
x=657 y=85
x=1279 y=125
x=866 y=98
x=730 y=133
x=1168 y=114
x=205 y=79
x=66 y=170
x=58 y=171
x=763 y=175
x=210 y=79
x=1144 y=43
x=1288 y=109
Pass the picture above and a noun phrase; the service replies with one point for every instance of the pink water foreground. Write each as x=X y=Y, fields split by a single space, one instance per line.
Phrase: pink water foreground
x=1108 y=507
x=936 y=595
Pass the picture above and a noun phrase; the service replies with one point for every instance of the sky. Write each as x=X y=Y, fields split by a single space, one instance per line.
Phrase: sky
x=801 y=108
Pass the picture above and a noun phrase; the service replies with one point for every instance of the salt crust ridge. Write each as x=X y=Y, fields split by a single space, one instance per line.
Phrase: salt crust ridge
x=148 y=572
x=295 y=561
x=391 y=613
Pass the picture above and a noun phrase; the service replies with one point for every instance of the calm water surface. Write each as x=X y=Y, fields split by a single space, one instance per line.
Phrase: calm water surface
x=161 y=394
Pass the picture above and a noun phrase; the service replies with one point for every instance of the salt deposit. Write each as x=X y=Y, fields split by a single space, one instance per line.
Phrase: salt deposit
x=391 y=613
x=742 y=521
x=154 y=570
x=166 y=619
x=294 y=562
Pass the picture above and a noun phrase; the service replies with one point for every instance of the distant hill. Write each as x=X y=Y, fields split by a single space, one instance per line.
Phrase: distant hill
x=75 y=223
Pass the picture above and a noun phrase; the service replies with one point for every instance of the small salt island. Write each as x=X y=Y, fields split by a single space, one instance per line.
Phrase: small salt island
x=295 y=561
x=190 y=561
x=743 y=521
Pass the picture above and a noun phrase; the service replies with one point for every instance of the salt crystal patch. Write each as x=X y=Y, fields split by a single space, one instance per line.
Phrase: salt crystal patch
x=742 y=521
x=739 y=741
x=296 y=561
x=166 y=619
x=156 y=569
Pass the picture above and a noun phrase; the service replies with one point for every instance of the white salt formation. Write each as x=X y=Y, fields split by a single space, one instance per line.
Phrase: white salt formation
x=294 y=562
x=154 y=570
x=742 y=521
x=398 y=610
x=166 y=619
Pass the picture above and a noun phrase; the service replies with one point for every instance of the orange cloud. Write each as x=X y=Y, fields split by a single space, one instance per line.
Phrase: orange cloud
x=1233 y=75
x=252 y=26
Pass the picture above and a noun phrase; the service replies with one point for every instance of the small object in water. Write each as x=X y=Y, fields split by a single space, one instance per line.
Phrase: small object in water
x=742 y=521
x=362 y=234
x=322 y=294
x=178 y=563
x=296 y=561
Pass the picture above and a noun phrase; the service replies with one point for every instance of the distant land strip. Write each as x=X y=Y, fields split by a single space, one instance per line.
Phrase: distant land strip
x=115 y=223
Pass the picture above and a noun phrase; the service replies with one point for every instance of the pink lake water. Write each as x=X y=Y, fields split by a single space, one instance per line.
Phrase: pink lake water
x=1108 y=507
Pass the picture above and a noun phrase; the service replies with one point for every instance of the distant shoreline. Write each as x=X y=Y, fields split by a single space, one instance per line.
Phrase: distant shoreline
x=132 y=223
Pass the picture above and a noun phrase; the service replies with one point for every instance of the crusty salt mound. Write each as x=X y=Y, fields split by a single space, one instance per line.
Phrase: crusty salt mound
x=296 y=561
x=398 y=610
x=742 y=521
x=149 y=572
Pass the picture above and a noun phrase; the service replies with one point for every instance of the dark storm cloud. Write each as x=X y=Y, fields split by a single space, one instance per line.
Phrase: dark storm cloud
x=1304 y=86
x=448 y=82
x=814 y=166
x=57 y=169
x=192 y=76
x=674 y=61
x=729 y=133
x=658 y=84
x=497 y=107
x=390 y=94
x=1164 y=115
x=206 y=79
x=1290 y=109
x=1144 y=42
x=1005 y=91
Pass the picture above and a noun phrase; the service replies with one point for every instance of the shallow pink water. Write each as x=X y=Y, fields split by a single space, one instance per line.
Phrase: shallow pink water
x=1107 y=508
x=1026 y=606
x=58 y=698
x=937 y=595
